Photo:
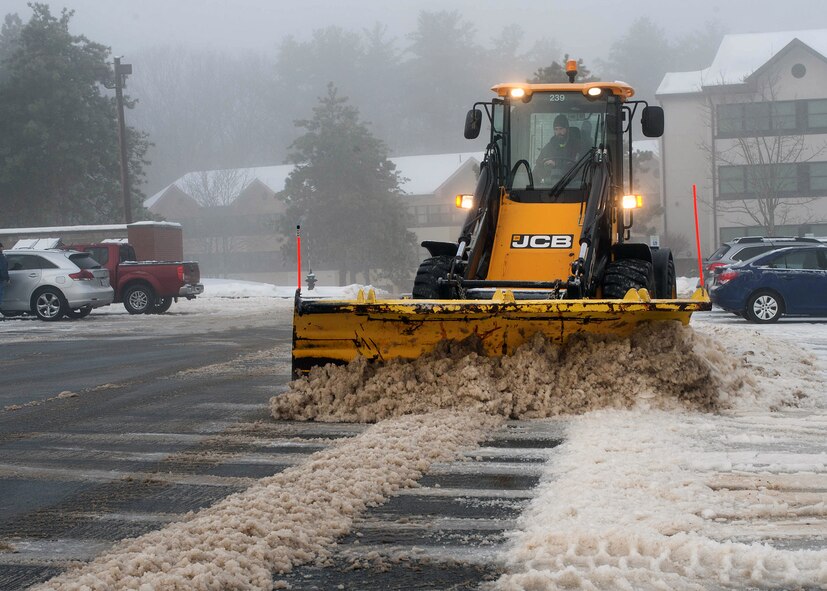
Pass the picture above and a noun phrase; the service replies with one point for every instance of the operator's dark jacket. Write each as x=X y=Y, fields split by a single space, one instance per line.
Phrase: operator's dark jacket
x=4 y=268
x=559 y=149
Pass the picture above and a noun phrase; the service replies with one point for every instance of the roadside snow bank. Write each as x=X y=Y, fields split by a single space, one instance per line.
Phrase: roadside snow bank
x=783 y=373
x=284 y=520
x=630 y=501
x=662 y=365
x=236 y=288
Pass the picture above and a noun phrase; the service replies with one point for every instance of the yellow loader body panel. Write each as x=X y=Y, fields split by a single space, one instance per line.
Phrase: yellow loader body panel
x=535 y=241
x=326 y=331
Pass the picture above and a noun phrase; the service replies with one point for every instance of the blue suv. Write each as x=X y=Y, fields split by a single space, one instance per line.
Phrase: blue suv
x=787 y=281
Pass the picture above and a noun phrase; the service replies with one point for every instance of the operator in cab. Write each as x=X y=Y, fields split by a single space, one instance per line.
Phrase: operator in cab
x=560 y=152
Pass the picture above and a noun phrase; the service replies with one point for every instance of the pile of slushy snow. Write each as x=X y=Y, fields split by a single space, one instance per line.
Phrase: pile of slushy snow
x=284 y=520
x=661 y=366
x=655 y=500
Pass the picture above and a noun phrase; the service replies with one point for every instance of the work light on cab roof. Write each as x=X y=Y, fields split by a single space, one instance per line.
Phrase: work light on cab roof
x=546 y=246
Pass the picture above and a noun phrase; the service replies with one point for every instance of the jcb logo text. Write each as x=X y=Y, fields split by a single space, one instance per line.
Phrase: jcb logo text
x=542 y=240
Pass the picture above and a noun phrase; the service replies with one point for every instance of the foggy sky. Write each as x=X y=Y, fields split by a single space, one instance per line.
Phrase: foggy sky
x=583 y=28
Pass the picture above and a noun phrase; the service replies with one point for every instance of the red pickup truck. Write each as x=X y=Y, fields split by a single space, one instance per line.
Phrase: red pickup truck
x=144 y=287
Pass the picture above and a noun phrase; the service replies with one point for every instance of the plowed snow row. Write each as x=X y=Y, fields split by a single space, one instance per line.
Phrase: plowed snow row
x=284 y=520
x=631 y=502
x=664 y=366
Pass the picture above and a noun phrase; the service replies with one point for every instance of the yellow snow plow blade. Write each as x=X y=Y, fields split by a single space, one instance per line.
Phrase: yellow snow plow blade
x=327 y=331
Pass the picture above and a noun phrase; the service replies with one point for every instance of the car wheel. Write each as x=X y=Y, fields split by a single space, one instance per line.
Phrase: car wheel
x=161 y=305
x=138 y=299
x=79 y=313
x=49 y=304
x=764 y=307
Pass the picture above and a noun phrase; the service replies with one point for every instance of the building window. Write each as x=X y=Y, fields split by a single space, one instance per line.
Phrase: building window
x=730 y=119
x=817 y=114
x=798 y=71
x=731 y=180
x=818 y=177
x=756 y=118
x=766 y=118
x=753 y=182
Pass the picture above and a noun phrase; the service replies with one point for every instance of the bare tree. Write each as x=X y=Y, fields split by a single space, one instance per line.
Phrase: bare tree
x=754 y=150
x=221 y=230
x=215 y=188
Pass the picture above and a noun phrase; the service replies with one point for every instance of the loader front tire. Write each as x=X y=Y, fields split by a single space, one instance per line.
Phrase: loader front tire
x=426 y=285
x=625 y=274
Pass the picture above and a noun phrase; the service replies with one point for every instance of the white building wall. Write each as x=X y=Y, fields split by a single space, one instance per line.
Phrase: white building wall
x=686 y=154
x=685 y=161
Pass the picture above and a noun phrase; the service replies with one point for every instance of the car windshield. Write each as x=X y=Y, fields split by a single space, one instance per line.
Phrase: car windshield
x=84 y=260
x=550 y=133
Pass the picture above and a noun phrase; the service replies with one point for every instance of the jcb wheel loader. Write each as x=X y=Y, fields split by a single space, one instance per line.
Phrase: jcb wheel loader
x=544 y=247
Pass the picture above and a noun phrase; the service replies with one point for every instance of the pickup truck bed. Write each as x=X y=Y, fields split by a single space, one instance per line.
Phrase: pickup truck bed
x=145 y=287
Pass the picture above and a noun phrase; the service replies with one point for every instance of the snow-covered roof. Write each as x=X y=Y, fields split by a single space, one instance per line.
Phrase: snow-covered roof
x=58 y=229
x=154 y=223
x=422 y=174
x=738 y=57
x=425 y=174
x=646 y=146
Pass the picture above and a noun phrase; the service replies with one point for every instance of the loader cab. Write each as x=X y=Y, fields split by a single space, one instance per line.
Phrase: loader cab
x=538 y=153
x=551 y=207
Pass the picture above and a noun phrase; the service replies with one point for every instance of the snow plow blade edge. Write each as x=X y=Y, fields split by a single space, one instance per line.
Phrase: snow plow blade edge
x=327 y=331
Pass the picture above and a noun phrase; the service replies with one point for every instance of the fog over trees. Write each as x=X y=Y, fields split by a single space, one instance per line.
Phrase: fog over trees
x=206 y=109
x=211 y=106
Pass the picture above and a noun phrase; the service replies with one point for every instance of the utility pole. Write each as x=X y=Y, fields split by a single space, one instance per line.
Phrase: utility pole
x=121 y=72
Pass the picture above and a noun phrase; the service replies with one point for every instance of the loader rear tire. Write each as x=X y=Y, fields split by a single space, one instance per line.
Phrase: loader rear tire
x=426 y=285
x=625 y=274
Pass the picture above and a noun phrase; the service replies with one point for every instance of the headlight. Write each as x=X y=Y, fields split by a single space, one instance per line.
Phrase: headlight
x=632 y=201
x=465 y=201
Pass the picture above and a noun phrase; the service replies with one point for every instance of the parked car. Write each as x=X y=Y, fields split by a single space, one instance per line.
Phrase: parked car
x=145 y=287
x=789 y=281
x=54 y=283
x=742 y=249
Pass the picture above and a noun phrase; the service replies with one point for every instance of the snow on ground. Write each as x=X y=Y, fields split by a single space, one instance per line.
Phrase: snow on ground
x=235 y=288
x=283 y=520
x=688 y=500
x=641 y=495
x=686 y=286
x=655 y=500
x=660 y=366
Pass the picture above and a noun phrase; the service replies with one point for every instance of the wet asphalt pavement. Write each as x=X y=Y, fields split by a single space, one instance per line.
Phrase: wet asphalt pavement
x=116 y=427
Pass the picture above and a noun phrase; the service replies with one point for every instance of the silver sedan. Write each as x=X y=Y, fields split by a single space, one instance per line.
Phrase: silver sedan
x=54 y=283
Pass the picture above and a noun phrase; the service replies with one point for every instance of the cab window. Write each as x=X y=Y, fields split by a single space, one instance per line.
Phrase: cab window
x=100 y=254
x=127 y=253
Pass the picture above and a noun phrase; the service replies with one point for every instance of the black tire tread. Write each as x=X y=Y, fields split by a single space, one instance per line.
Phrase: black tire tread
x=625 y=274
x=426 y=284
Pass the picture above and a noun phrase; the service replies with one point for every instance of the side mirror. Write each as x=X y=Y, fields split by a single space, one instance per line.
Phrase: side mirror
x=651 y=120
x=473 y=124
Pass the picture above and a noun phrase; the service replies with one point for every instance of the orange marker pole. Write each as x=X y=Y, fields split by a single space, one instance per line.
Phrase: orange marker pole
x=698 y=233
x=299 y=254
